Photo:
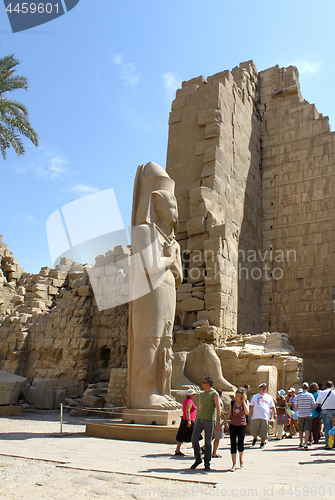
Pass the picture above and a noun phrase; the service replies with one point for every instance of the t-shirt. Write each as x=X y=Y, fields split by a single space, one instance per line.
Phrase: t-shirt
x=238 y=415
x=315 y=414
x=192 y=410
x=304 y=402
x=207 y=405
x=262 y=404
x=329 y=404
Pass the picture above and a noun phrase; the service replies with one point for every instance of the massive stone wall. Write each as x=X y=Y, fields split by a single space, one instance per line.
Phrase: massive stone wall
x=214 y=158
x=298 y=165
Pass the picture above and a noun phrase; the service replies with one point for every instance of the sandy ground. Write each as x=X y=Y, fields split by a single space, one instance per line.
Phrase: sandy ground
x=39 y=479
x=36 y=462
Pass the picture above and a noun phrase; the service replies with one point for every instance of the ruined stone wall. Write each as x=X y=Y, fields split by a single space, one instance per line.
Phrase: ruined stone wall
x=298 y=165
x=214 y=158
x=51 y=326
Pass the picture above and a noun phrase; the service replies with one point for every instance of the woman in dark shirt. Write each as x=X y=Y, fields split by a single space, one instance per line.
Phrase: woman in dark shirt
x=238 y=410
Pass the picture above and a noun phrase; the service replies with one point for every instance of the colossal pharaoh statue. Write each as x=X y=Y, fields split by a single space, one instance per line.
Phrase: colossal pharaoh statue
x=155 y=273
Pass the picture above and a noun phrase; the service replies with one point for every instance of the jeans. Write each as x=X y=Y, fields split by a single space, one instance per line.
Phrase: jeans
x=328 y=419
x=199 y=426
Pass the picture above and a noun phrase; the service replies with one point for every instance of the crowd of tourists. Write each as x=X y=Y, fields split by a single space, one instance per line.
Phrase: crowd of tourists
x=309 y=414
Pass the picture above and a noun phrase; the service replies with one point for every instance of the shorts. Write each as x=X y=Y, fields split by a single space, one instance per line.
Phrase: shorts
x=259 y=427
x=294 y=416
x=218 y=434
x=305 y=423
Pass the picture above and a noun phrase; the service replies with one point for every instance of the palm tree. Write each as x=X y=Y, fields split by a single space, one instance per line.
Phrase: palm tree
x=13 y=115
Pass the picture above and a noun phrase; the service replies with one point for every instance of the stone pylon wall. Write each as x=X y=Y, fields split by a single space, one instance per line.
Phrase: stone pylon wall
x=214 y=158
x=298 y=172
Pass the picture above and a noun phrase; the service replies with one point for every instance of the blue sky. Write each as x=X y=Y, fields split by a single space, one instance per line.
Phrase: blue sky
x=101 y=81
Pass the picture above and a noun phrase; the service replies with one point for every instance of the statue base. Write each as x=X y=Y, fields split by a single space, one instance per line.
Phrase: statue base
x=151 y=416
x=133 y=432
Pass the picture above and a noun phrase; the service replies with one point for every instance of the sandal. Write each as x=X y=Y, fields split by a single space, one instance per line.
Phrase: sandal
x=233 y=469
x=179 y=453
x=216 y=456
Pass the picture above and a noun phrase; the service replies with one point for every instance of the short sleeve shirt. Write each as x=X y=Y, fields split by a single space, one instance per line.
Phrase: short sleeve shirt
x=262 y=404
x=207 y=405
x=304 y=402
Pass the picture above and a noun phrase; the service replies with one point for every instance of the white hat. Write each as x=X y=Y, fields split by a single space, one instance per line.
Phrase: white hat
x=190 y=392
x=291 y=389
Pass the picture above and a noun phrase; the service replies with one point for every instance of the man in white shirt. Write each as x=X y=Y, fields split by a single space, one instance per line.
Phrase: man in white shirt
x=305 y=403
x=327 y=409
x=261 y=406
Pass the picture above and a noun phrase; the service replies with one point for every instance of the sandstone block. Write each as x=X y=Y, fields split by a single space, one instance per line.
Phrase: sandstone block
x=192 y=304
x=85 y=291
x=196 y=226
x=10 y=387
x=213 y=130
x=65 y=261
x=121 y=250
x=93 y=401
x=183 y=295
x=43 y=393
x=185 y=287
x=215 y=300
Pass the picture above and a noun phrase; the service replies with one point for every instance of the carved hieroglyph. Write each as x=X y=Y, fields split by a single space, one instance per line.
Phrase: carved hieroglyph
x=156 y=271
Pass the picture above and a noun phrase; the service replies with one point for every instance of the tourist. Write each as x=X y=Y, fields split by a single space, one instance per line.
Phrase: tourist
x=261 y=406
x=209 y=400
x=294 y=427
x=238 y=411
x=305 y=403
x=186 y=426
x=247 y=389
x=326 y=399
x=316 y=422
x=282 y=416
x=217 y=435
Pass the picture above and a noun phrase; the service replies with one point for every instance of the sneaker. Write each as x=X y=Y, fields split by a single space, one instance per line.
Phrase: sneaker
x=262 y=445
x=207 y=468
x=254 y=442
x=305 y=447
x=196 y=463
x=300 y=445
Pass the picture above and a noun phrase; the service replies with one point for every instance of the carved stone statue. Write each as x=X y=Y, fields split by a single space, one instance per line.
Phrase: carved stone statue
x=156 y=271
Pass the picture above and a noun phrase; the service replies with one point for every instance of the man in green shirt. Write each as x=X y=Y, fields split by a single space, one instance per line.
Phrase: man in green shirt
x=206 y=415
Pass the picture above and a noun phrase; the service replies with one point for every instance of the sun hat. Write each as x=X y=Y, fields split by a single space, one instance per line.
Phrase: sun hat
x=281 y=393
x=305 y=384
x=291 y=389
x=190 y=392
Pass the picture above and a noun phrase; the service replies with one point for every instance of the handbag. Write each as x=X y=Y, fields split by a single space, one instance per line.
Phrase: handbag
x=318 y=407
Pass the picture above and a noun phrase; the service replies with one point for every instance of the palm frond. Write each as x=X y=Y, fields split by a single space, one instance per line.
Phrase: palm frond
x=14 y=118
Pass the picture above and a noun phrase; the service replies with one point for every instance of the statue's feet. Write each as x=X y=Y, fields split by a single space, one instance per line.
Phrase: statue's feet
x=163 y=402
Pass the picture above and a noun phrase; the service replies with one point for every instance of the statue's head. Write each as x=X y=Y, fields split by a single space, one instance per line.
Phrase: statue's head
x=165 y=207
x=152 y=178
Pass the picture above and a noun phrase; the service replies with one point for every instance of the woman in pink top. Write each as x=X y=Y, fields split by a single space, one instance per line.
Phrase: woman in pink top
x=187 y=421
x=238 y=410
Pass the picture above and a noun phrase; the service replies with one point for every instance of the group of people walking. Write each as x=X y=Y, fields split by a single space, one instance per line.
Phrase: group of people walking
x=303 y=412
